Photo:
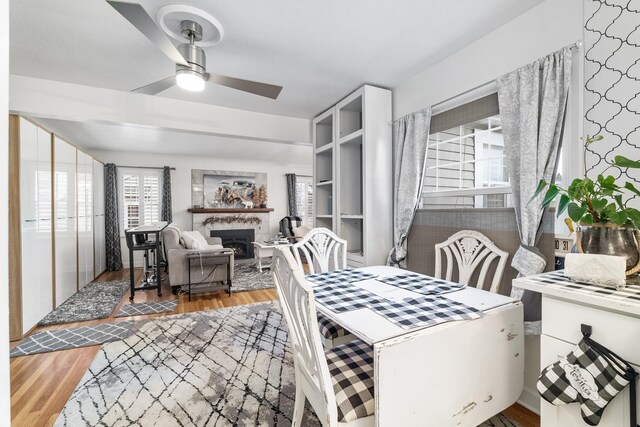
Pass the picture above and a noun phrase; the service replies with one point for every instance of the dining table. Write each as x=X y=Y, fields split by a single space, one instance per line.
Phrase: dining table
x=445 y=354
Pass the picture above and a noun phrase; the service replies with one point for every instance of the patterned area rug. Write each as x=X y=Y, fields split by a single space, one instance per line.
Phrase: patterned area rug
x=227 y=367
x=94 y=301
x=141 y=308
x=63 y=339
x=246 y=277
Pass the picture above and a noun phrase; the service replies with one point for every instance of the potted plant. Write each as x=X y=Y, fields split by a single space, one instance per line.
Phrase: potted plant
x=605 y=224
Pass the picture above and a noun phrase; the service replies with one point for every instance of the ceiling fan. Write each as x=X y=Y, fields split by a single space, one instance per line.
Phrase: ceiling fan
x=190 y=59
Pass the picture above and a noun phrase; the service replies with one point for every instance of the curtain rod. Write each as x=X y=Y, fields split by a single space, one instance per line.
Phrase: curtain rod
x=144 y=167
x=576 y=45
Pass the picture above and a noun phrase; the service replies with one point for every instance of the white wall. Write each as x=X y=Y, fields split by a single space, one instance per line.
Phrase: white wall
x=5 y=408
x=181 y=177
x=536 y=33
x=546 y=28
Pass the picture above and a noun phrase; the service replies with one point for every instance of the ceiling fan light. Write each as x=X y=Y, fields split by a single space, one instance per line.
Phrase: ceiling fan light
x=190 y=80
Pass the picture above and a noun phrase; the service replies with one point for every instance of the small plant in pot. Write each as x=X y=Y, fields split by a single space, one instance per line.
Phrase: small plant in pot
x=605 y=225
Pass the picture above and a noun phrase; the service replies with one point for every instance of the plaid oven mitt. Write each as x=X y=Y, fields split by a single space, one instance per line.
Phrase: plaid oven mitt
x=591 y=375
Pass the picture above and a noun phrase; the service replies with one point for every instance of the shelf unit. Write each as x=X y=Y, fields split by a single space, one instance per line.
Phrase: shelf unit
x=353 y=174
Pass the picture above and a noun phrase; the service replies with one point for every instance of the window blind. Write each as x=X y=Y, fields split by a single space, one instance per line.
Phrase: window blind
x=467 y=113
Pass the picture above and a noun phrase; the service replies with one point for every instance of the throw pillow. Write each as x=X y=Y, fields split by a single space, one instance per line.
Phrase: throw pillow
x=194 y=240
x=300 y=231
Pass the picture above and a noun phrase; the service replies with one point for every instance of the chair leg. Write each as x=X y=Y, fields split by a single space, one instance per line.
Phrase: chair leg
x=298 y=409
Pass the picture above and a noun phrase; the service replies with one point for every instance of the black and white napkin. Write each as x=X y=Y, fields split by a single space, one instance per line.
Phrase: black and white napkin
x=421 y=284
x=340 y=297
x=347 y=275
x=424 y=311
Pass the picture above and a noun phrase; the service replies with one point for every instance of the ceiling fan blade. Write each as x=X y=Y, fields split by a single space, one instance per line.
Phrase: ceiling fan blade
x=140 y=19
x=257 y=88
x=156 y=87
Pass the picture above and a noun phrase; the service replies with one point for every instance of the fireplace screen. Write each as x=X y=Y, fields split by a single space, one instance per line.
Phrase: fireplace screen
x=238 y=240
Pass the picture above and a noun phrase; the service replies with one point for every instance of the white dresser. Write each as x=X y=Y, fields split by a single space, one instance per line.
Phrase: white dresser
x=615 y=319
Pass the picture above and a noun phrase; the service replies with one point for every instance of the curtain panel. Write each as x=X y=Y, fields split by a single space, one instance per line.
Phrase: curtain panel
x=533 y=102
x=166 y=214
x=291 y=194
x=411 y=138
x=111 y=221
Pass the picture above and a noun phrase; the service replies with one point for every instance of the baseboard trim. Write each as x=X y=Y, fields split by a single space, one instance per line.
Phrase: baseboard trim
x=530 y=399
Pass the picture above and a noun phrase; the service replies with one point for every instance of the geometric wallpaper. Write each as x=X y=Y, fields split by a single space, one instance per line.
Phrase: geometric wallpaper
x=612 y=84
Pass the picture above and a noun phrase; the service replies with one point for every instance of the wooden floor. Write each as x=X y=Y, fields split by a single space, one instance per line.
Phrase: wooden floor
x=41 y=384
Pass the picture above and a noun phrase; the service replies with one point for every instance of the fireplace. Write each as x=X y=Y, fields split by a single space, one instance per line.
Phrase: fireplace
x=238 y=240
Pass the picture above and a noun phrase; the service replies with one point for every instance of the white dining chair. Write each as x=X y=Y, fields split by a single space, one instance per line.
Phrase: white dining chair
x=469 y=250
x=339 y=382
x=324 y=251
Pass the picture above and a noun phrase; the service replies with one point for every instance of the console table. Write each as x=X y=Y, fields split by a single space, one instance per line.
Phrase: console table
x=615 y=318
x=220 y=257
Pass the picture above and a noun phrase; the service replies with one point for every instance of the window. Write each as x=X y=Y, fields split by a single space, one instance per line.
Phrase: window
x=304 y=199
x=140 y=201
x=466 y=166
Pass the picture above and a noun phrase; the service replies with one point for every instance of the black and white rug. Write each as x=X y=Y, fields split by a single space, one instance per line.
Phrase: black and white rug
x=142 y=308
x=247 y=277
x=94 y=301
x=63 y=339
x=227 y=367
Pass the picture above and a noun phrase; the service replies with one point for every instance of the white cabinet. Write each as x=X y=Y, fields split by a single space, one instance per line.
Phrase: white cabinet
x=353 y=174
x=35 y=216
x=100 y=259
x=615 y=320
x=85 y=218
x=66 y=247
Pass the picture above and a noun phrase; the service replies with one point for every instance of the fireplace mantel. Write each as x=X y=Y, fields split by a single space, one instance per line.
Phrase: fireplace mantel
x=228 y=210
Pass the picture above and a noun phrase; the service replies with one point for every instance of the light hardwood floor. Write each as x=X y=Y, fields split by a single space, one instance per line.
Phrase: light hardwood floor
x=41 y=384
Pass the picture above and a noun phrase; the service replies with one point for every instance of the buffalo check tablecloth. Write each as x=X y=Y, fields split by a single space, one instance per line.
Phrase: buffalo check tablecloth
x=342 y=296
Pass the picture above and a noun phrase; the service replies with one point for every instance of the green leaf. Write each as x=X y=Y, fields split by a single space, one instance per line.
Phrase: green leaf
x=634 y=216
x=562 y=204
x=575 y=189
x=587 y=185
x=552 y=192
x=587 y=219
x=576 y=212
x=618 y=218
x=619 y=201
x=629 y=186
x=541 y=185
x=598 y=204
x=623 y=162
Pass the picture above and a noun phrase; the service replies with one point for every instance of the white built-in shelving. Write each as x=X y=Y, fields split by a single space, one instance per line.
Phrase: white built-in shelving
x=353 y=173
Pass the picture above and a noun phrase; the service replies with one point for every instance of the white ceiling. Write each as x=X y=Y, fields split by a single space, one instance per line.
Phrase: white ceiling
x=318 y=50
x=118 y=137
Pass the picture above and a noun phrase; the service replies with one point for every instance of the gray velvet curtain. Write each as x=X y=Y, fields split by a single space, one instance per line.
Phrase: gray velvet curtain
x=111 y=222
x=533 y=101
x=411 y=136
x=291 y=194
x=166 y=195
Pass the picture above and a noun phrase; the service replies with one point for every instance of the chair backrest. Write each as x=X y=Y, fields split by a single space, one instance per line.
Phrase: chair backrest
x=298 y=306
x=470 y=250
x=323 y=250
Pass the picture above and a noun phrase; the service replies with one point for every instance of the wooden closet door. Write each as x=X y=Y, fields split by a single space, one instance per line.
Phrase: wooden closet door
x=65 y=220
x=98 y=218
x=44 y=230
x=36 y=233
x=29 y=223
